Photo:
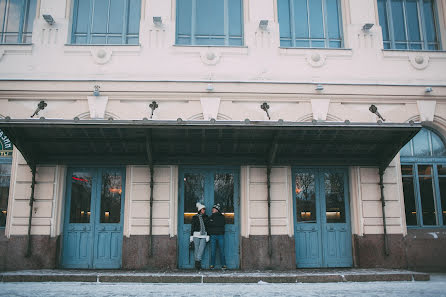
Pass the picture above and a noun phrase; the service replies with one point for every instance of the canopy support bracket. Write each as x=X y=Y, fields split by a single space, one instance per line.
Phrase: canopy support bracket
x=383 y=205
x=31 y=204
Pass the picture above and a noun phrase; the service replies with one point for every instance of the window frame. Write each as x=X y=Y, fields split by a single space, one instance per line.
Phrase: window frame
x=24 y=16
x=124 y=36
x=326 y=39
x=421 y=23
x=6 y=160
x=226 y=26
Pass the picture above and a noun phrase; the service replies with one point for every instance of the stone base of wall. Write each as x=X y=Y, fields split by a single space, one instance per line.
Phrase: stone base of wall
x=426 y=249
x=369 y=251
x=254 y=253
x=12 y=252
x=135 y=252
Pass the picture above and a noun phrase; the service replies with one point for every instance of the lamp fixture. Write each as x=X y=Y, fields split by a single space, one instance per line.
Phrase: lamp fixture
x=49 y=19
x=209 y=88
x=367 y=27
x=157 y=21
x=428 y=89
x=319 y=87
x=263 y=24
x=265 y=107
x=153 y=106
x=41 y=106
x=374 y=109
x=96 y=91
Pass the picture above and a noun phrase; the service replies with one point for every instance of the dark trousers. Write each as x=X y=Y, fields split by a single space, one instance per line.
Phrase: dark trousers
x=220 y=239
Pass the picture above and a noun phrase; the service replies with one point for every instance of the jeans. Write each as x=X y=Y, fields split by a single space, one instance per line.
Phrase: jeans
x=220 y=239
x=200 y=244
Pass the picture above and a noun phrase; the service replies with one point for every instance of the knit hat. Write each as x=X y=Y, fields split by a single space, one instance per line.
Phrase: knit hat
x=199 y=206
x=217 y=206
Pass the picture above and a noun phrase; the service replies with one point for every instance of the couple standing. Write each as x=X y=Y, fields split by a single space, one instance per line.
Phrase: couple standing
x=205 y=228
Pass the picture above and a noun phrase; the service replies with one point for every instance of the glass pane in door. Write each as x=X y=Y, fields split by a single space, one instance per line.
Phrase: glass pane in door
x=111 y=194
x=193 y=193
x=334 y=197
x=305 y=198
x=81 y=184
x=224 y=194
x=427 y=195
x=5 y=174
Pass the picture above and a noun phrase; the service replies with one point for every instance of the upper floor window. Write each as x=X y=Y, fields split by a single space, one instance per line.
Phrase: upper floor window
x=409 y=24
x=16 y=20
x=5 y=175
x=209 y=22
x=423 y=170
x=310 y=23
x=106 y=22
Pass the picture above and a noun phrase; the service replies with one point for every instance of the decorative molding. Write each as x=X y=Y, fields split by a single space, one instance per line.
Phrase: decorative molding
x=210 y=107
x=419 y=62
x=97 y=105
x=320 y=109
x=101 y=55
x=426 y=108
x=316 y=59
x=210 y=56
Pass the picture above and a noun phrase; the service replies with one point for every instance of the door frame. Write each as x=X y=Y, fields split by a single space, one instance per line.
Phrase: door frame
x=203 y=168
x=319 y=204
x=95 y=191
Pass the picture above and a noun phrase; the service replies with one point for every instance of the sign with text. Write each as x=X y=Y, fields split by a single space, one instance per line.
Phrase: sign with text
x=5 y=146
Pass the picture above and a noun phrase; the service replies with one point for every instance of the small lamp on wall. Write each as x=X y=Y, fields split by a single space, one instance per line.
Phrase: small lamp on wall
x=49 y=19
x=263 y=24
x=157 y=21
x=367 y=27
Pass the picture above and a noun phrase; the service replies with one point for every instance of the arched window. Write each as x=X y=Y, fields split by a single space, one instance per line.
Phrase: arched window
x=5 y=175
x=423 y=169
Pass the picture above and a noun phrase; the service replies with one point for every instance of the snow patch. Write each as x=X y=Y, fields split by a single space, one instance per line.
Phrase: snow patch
x=262 y=282
x=434 y=234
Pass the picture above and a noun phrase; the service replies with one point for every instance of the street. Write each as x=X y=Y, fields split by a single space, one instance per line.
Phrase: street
x=435 y=287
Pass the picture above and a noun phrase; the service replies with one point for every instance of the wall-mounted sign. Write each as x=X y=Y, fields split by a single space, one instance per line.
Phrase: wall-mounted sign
x=5 y=146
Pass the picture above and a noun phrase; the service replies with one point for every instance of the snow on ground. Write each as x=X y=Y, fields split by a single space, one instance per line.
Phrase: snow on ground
x=435 y=287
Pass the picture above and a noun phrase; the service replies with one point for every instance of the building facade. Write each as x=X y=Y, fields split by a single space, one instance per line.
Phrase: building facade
x=107 y=173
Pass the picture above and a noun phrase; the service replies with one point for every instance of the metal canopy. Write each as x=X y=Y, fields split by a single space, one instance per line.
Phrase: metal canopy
x=112 y=142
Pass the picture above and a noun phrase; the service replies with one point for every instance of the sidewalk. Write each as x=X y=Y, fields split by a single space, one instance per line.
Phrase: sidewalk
x=207 y=276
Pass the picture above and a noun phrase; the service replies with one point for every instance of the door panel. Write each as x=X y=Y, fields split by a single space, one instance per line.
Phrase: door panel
x=93 y=224
x=209 y=186
x=322 y=219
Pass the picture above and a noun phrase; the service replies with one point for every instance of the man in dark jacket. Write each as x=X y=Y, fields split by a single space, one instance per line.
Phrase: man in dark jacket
x=216 y=229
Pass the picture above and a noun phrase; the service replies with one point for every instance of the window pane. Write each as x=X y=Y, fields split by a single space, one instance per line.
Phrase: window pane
x=442 y=185
x=316 y=19
x=28 y=26
x=111 y=197
x=5 y=174
x=184 y=12
x=193 y=193
x=2 y=14
x=333 y=19
x=398 y=20
x=427 y=195
x=301 y=19
x=13 y=16
x=406 y=151
x=116 y=19
x=210 y=17
x=134 y=17
x=438 y=148
x=441 y=169
x=334 y=197
x=409 y=201
x=224 y=194
x=421 y=144
x=429 y=22
x=382 y=10
x=83 y=16
x=235 y=17
x=100 y=18
x=81 y=184
x=284 y=19
x=406 y=169
x=412 y=20
x=305 y=198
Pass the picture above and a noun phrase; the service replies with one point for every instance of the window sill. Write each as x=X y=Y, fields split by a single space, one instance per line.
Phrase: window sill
x=213 y=46
x=102 y=54
x=16 y=48
x=102 y=45
x=316 y=48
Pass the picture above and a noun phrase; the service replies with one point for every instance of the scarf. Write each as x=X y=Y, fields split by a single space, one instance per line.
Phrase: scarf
x=202 y=229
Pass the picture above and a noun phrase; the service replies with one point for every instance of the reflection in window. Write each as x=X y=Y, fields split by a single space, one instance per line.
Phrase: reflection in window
x=224 y=194
x=427 y=194
x=409 y=197
x=334 y=197
x=111 y=194
x=5 y=174
x=193 y=193
x=81 y=184
x=16 y=20
x=106 y=22
x=305 y=197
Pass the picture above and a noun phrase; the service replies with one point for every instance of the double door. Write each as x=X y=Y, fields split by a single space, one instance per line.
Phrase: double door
x=94 y=205
x=209 y=185
x=322 y=218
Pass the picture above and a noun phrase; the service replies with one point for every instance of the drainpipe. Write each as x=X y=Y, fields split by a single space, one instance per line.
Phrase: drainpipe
x=383 y=204
x=31 y=203
x=268 y=185
x=151 y=211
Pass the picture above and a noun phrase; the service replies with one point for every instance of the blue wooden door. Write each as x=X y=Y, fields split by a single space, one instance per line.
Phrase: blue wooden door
x=93 y=218
x=209 y=185
x=321 y=218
